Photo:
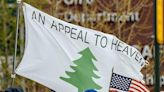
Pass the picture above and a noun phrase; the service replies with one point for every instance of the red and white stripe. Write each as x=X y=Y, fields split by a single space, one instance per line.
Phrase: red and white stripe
x=137 y=86
x=113 y=90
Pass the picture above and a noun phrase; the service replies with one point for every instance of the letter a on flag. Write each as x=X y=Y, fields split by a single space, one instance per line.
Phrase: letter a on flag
x=69 y=58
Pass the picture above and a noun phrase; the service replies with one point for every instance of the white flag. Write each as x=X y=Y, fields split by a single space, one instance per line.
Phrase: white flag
x=67 y=57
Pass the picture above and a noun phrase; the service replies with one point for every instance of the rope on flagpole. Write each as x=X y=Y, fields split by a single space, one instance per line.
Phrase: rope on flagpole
x=16 y=42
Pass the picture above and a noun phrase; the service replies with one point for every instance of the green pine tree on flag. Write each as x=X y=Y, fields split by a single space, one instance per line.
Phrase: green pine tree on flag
x=83 y=76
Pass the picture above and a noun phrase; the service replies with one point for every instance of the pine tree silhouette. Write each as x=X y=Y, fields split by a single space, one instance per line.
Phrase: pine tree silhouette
x=82 y=77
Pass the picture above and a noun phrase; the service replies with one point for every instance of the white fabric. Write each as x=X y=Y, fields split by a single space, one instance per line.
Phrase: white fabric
x=50 y=52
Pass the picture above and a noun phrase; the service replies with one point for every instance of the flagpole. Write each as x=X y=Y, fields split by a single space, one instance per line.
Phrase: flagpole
x=157 y=61
x=16 y=41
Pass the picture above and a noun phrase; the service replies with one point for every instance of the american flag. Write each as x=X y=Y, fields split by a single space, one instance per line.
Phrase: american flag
x=120 y=83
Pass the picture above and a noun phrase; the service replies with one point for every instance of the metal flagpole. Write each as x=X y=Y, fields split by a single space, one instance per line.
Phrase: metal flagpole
x=16 y=41
x=157 y=61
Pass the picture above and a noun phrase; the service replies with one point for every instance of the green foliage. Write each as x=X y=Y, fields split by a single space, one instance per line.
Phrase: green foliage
x=8 y=22
x=11 y=1
x=7 y=31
